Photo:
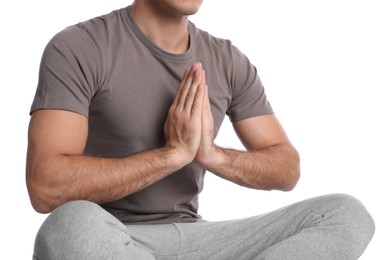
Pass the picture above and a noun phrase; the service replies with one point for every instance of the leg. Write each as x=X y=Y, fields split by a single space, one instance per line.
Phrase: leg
x=327 y=227
x=83 y=230
x=338 y=227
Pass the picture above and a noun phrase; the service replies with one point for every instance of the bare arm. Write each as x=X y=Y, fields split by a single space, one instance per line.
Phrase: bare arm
x=57 y=171
x=270 y=162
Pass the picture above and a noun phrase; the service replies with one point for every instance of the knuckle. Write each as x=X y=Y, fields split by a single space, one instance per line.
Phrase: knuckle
x=195 y=106
x=190 y=95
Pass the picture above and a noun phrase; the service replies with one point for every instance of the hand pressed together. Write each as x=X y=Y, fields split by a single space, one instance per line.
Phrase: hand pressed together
x=189 y=128
x=205 y=154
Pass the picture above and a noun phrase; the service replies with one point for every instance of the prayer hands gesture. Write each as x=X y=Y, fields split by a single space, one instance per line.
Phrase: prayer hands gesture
x=189 y=128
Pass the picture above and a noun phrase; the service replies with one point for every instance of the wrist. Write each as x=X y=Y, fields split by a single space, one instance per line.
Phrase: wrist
x=178 y=158
x=214 y=160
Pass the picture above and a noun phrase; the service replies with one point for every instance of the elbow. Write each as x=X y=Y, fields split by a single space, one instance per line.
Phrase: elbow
x=40 y=206
x=291 y=181
x=40 y=200
x=40 y=193
x=293 y=172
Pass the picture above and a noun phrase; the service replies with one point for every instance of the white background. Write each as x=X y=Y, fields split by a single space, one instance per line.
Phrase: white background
x=325 y=66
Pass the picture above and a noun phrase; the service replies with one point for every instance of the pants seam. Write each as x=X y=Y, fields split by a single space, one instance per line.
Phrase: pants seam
x=181 y=238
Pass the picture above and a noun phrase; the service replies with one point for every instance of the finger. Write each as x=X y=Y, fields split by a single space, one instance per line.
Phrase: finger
x=206 y=99
x=183 y=82
x=203 y=77
x=187 y=86
x=196 y=108
x=191 y=95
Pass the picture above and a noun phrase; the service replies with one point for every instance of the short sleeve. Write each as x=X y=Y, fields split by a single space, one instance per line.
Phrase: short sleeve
x=248 y=97
x=68 y=75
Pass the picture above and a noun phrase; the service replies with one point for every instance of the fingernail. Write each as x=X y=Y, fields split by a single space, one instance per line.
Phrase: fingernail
x=186 y=71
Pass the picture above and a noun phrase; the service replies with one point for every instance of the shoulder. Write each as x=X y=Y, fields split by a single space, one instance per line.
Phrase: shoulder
x=96 y=30
x=104 y=25
x=217 y=48
x=206 y=40
x=89 y=40
x=72 y=41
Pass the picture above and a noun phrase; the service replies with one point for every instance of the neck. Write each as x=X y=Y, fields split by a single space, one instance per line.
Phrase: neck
x=168 y=32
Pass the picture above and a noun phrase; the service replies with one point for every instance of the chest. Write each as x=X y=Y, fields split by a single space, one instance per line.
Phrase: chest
x=130 y=110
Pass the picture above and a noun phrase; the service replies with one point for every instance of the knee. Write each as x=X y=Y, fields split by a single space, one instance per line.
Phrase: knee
x=69 y=216
x=65 y=227
x=354 y=217
x=353 y=210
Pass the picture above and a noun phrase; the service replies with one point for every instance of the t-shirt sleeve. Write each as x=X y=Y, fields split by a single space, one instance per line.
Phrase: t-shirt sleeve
x=248 y=97
x=68 y=74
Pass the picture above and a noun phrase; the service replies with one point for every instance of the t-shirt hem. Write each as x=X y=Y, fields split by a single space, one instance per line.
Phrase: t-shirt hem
x=59 y=105
x=236 y=118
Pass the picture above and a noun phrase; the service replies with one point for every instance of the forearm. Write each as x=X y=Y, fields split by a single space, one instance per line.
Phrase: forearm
x=275 y=167
x=65 y=178
x=57 y=171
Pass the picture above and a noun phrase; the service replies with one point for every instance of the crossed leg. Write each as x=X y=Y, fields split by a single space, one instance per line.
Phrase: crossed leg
x=327 y=227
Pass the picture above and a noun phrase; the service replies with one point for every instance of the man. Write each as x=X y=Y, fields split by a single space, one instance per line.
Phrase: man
x=121 y=134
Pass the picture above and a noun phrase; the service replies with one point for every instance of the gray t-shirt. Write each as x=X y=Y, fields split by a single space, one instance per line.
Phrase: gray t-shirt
x=107 y=70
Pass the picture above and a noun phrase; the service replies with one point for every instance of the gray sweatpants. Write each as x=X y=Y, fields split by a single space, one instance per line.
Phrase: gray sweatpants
x=328 y=227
